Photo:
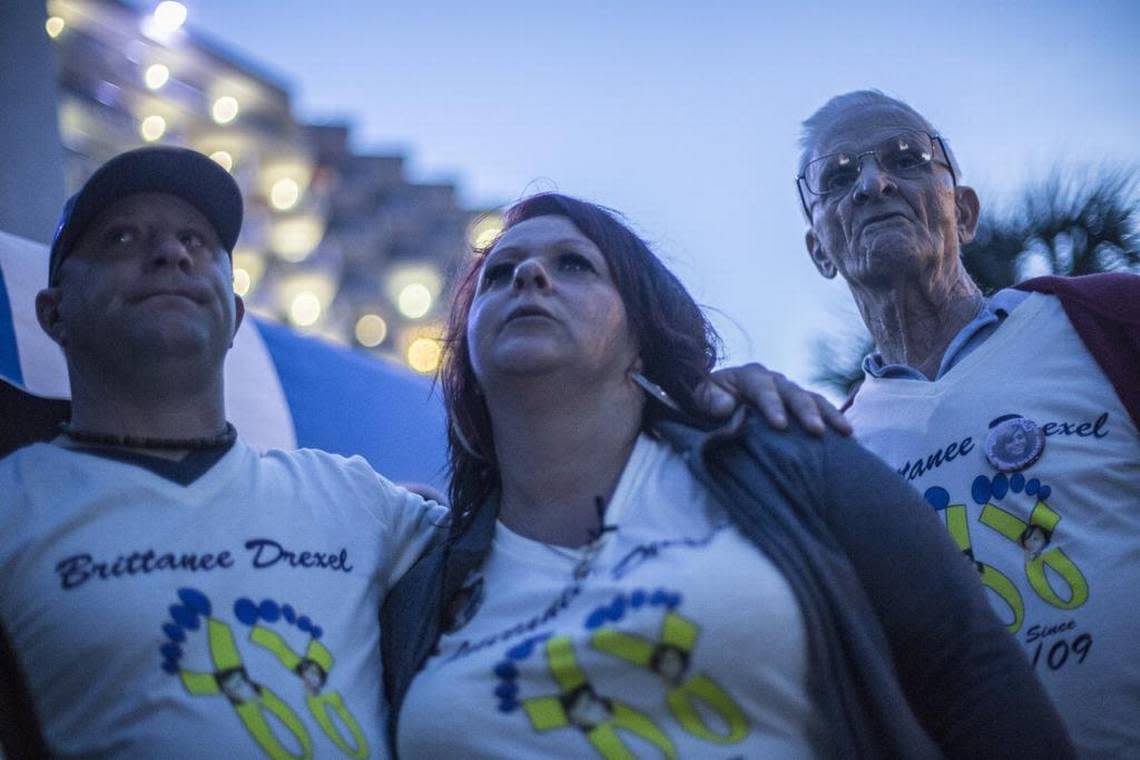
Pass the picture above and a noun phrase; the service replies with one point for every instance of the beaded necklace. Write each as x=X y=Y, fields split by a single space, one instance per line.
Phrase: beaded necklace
x=218 y=441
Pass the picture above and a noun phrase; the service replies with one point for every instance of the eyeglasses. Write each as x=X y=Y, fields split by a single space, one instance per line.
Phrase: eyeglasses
x=907 y=155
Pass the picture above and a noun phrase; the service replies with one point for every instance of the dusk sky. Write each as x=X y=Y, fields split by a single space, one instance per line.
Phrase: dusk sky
x=685 y=115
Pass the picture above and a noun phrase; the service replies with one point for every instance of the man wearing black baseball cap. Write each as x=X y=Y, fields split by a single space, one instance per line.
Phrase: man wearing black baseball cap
x=140 y=292
x=165 y=589
x=181 y=172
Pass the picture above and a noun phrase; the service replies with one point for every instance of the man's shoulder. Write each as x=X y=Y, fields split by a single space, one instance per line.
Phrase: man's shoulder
x=314 y=461
x=323 y=469
x=33 y=457
x=43 y=472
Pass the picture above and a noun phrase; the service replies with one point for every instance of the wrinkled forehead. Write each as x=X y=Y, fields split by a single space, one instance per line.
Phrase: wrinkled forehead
x=152 y=204
x=540 y=233
x=860 y=127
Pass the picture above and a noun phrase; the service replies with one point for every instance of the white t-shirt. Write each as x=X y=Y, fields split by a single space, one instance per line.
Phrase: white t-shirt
x=682 y=641
x=1057 y=542
x=235 y=616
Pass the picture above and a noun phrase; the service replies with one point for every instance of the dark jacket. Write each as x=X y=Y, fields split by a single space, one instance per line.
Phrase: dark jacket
x=1104 y=309
x=907 y=658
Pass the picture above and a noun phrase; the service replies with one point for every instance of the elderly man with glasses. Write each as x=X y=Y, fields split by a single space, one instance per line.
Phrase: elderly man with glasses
x=1015 y=415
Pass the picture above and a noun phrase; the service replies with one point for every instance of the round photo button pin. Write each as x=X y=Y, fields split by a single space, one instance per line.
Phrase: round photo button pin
x=466 y=602
x=1014 y=443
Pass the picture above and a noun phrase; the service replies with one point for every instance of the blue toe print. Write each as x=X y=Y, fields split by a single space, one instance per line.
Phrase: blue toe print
x=1000 y=485
x=523 y=649
x=184 y=616
x=195 y=600
x=984 y=489
x=980 y=491
x=245 y=611
x=507 y=673
x=937 y=497
x=269 y=611
x=507 y=690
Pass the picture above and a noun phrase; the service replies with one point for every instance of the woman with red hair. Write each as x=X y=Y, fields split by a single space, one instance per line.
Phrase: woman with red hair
x=625 y=579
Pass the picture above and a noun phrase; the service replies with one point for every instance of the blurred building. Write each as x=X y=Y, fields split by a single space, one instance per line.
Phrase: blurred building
x=334 y=243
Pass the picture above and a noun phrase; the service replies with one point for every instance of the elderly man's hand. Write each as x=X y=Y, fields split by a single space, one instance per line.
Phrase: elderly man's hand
x=773 y=394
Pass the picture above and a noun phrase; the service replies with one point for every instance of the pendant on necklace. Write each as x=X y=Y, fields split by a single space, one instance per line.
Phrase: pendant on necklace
x=582 y=569
x=466 y=602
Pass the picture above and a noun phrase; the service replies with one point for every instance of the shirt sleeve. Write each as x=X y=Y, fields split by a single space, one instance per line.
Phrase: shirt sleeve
x=404 y=523
x=413 y=526
x=966 y=679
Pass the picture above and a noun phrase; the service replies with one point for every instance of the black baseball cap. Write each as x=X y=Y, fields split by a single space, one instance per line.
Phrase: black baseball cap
x=193 y=177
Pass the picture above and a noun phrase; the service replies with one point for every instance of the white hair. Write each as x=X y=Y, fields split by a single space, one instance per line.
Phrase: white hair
x=832 y=109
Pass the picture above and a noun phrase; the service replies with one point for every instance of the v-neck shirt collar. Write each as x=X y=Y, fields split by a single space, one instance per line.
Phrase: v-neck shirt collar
x=183 y=471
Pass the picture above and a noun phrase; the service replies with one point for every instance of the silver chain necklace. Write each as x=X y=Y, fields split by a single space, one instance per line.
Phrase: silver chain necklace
x=584 y=558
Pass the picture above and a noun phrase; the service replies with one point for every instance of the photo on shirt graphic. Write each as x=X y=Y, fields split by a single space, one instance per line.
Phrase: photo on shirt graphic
x=1026 y=513
x=205 y=652
x=696 y=703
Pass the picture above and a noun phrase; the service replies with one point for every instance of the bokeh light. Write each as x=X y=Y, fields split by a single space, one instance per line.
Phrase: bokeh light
x=152 y=128
x=242 y=281
x=424 y=355
x=414 y=301
x=54 y=26
x=156 y=76
x=225 y=109
x=251 y=263
x=371 y=330
x=285 y=194
x=223 y=159
x=484 y=231
x=294 y=238
x=305 y=308
x=169 y=15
